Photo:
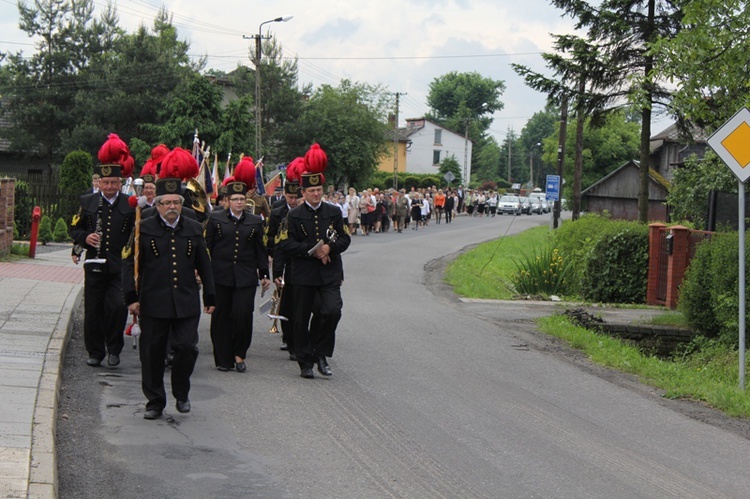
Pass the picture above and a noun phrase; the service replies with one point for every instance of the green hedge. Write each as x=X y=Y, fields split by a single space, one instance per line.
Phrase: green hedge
x=709 y=294
x=617 y=265
x=608 y=259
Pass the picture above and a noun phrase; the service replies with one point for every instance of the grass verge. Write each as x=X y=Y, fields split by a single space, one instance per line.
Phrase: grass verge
x=708 y=374
x=486 y=271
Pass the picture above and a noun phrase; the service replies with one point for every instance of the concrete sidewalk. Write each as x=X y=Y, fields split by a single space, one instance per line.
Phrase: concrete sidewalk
x=38 y=302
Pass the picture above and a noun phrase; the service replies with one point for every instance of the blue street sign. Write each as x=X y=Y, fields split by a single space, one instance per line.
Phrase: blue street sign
x=553 y=187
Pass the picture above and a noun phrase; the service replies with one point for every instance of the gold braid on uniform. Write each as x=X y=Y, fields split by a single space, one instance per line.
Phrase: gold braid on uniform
x=283 y=233
x=154 y=249
x=127 y=250
x=190 y=247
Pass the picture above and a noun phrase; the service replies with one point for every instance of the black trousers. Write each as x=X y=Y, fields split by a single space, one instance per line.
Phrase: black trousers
x=183 y=337
x=315 y=336
x=232 y=323
x=105 y=314
x=448 y=216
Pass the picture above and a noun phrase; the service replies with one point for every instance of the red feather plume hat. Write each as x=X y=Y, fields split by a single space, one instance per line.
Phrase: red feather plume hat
x=158 y=154
x=316 y=162
x=148 y=172
x=245 y=172
x=115 y=159
x=294 y=171
x=179 y=163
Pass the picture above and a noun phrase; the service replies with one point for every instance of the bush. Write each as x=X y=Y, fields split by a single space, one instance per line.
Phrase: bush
x=15 y=231
x=60 y=233
x=541 y=273
x=45 y=230
x=709 y=294
x=75 y=178
x=430 y=180
x=616 y=268
x=24 y=204
x=575 y=240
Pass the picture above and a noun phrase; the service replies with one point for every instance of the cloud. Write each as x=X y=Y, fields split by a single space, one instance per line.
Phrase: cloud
x=339 y=29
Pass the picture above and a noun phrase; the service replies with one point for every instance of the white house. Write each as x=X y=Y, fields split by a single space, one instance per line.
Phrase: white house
x=431 y=143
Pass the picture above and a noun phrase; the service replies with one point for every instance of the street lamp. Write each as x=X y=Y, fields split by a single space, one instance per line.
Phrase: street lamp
x=258 y=39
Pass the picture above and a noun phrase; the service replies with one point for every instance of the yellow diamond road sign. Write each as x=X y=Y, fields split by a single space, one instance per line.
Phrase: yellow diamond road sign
x=731 y=143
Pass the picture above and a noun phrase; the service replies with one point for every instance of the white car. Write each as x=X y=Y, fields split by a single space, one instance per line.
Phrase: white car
x=510 y=205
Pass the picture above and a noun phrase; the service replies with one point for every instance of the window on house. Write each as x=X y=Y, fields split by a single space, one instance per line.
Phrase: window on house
x=435 y=157
x=438 y=136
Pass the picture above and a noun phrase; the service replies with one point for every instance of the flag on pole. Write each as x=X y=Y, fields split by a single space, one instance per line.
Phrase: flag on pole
x=227 y=168
x=273 y=184
x=259 y=181
x=214 y=178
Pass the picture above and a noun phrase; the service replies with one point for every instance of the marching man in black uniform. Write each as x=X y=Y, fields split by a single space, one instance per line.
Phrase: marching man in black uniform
x=281 y=266
x=102 y=227
x=234 y=238
x=161 y=260
x=314 y=239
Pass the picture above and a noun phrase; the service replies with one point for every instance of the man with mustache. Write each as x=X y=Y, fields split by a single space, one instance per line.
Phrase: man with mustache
x=165 y=295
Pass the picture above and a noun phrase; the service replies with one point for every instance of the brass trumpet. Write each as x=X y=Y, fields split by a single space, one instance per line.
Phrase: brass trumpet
x=275 y=306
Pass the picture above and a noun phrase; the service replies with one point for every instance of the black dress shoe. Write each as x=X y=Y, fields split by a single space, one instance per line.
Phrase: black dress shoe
x=113 y=360
x=152 y=414
x=241 y=367
x=93 y=362
x=323 y=367
x=284 y=346
x=292 y=356
x=169 y=360
x=307 y=373
x=222 y=368
x=183 y=406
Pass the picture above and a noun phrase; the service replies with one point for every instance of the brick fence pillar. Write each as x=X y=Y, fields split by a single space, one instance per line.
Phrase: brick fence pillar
x=654 y=233
x=678 y=262
x=7 y=201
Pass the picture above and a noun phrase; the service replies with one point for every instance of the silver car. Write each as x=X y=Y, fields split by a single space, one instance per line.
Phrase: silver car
x=510 y=205
x=541 y=199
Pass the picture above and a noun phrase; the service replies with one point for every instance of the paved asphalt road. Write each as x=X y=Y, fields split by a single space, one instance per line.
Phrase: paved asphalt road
x=429 y=398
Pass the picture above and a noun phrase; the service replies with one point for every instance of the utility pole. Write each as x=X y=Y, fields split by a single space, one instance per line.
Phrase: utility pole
x=466 y=153
x=510 y=142
x=256 y=60
x=395 y=144
x=561 y=158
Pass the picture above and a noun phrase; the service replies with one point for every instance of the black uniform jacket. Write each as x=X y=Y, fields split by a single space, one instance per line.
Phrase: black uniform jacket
x=116 y=225
x=168 y=261
x=278 y=214
x=305 y=227
x=238 y=255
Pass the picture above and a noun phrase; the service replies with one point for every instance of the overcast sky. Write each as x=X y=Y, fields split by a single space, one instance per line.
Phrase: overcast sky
x=403 y=45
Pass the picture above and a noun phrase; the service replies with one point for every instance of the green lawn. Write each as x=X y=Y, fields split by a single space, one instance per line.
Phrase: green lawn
x=486 y=271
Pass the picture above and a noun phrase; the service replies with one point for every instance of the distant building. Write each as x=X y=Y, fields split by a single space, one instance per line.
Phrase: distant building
x=430 y=144
x=12 y=162
x=386 y=162
x=669 y=150
x=617 y=194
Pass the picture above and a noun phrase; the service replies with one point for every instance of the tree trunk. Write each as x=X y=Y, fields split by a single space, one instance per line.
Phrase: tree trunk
x=646 y=121
x=578 y=162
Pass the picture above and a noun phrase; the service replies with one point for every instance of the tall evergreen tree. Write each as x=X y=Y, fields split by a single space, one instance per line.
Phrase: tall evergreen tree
x=624 y=31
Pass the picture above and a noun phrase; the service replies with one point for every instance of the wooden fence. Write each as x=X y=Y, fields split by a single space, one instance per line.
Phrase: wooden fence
x=43 y=191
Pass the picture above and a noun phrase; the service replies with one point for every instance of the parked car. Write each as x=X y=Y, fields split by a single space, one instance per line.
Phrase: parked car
x=525 y=205
x=510 y=205
x=535 y=206
x=542 y=200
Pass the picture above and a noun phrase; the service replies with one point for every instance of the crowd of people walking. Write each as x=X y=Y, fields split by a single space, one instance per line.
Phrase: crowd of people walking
x=375 y=211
